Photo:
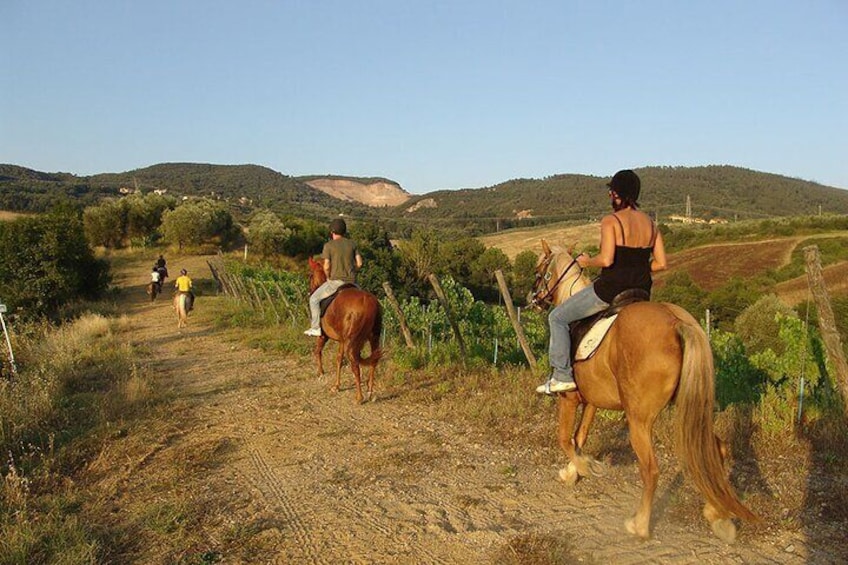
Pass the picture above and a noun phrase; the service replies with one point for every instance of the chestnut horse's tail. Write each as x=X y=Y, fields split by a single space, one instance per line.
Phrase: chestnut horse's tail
x=354 y=320
x=696 y=441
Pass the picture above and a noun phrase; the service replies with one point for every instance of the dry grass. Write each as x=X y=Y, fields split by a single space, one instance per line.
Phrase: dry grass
x=75 y=386
x=513 y=242
x=8 y=216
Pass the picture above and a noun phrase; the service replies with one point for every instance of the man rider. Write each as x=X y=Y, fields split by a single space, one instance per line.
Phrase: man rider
x=341 y=262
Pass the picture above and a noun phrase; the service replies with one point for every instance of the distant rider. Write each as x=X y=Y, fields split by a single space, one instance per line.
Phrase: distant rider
x=156 y=278
x=183 y=286
x=162 y=270
x=341 y=262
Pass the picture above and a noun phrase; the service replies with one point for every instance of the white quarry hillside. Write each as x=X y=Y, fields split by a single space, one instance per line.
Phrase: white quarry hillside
x=381 y=193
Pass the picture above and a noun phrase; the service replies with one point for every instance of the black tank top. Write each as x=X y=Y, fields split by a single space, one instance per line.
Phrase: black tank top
x=631 y=268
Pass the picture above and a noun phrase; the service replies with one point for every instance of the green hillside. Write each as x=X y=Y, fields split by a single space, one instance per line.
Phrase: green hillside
x=244 y=187
x=714 y=192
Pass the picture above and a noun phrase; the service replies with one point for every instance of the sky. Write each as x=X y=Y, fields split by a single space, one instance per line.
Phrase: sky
x=439 y=94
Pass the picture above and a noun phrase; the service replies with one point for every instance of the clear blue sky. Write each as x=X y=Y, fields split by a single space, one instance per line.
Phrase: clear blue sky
x=432 y=94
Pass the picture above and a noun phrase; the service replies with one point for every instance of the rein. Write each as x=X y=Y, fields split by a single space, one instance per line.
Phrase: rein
x=545 y=301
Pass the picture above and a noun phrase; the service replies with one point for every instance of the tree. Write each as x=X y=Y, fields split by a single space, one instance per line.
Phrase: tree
x=47 y=262
x=457 y=256
x=419 y=256
x=483 y=273
x=144 y=213
x=196 y=221
x=267 y=234
x=380 y=261
x=523 y=274
x=105 y=224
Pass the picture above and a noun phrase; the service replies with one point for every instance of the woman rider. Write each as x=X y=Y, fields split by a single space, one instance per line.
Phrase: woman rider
x=183 y=285
x=631 y=249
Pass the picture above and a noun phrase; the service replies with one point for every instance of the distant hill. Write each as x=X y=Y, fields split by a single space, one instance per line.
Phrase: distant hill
x=245 y=187
x=714 y=192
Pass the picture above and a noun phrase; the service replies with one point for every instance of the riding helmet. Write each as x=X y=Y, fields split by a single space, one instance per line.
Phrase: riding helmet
x=626 y=184
x=183 y=272
x=338 y=226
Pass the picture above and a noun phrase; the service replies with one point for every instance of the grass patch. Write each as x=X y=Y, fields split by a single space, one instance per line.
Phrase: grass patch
x=76 y=385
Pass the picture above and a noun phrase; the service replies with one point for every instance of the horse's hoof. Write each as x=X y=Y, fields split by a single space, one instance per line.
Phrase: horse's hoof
x=632 y=528
x=725 y=530
x=597 y=468
x=569 y=474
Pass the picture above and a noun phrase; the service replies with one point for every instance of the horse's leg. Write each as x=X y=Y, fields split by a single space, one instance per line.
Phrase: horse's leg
x=586 y=464
x=353 y=354
x=343 y=345
x=317 y=353
x=566 y=412
x=373 y=344
x=641 y=440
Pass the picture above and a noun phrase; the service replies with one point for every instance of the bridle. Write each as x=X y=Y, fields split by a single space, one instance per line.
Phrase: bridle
x=543 y=298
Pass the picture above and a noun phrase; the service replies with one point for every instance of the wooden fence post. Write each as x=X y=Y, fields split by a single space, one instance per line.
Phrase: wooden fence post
x=404 y=328
x=271 y=302
x=444 y=300
x=827 y=323
x=513 y=317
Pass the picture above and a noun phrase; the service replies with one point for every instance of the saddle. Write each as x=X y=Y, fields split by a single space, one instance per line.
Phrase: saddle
x=325 y=303
x=588 y=333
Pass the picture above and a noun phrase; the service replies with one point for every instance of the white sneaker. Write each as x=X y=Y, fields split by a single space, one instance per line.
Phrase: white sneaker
x=313 y=332
x=552 y=386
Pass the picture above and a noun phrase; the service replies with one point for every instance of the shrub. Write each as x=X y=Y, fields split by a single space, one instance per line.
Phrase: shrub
x=758 y=325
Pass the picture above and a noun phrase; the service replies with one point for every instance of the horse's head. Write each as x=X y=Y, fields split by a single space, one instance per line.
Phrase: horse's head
x=317 y=276
x=558 y=276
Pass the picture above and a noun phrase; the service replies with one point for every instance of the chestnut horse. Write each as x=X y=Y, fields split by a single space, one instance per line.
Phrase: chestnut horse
x=354 y=317
x=654 y=352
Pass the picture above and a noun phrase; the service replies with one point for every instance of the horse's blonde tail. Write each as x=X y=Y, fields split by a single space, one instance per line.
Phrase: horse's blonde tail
x=694 y=436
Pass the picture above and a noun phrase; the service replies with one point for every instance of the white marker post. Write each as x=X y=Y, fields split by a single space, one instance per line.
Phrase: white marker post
x=8 y=341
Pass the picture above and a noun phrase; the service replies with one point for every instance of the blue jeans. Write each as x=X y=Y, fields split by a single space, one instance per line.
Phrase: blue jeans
x=322 y=292
x=579 y=306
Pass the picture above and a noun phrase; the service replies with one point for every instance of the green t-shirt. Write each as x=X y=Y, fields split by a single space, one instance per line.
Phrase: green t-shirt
x=342 y=256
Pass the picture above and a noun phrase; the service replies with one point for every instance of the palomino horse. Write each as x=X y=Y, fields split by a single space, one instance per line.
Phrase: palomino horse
x=653 y=352
x=180 y=299
x=354 y=317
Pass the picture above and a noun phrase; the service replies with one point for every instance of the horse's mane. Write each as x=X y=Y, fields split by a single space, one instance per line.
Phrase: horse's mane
x=563 y=259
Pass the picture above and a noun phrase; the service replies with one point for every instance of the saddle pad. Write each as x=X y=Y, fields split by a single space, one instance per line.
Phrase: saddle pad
x=593 y=338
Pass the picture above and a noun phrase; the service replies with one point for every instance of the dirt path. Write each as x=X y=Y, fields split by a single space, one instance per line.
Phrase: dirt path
x=251 y=460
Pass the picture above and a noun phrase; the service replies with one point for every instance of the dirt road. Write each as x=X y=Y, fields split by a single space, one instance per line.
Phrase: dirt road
x=251 y=460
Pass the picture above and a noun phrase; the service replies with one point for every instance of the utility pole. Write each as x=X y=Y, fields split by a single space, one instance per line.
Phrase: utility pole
x=688 y=209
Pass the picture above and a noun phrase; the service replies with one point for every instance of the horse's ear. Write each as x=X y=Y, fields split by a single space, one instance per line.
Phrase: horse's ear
x=311 y=261
x=546 y=249
x=571 y=247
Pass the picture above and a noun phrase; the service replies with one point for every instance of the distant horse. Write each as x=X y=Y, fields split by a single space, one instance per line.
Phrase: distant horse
x=653 y=352
x=354 y=317
x=153 y=290
x=180 y=299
